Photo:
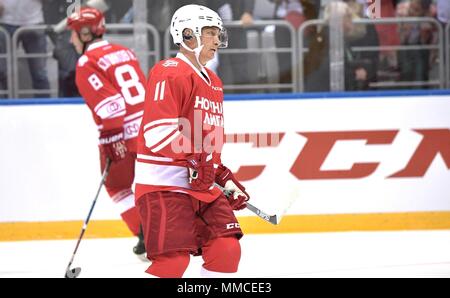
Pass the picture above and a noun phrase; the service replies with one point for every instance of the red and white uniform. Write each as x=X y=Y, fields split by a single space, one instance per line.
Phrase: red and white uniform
x=183 y=112
x=111 y=82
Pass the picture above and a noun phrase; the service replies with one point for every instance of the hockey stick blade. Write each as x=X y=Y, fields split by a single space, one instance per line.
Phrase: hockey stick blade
x=270 y=218
x=73 y=273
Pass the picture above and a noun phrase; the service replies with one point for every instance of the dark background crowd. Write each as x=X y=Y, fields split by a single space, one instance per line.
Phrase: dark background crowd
x=402 y=54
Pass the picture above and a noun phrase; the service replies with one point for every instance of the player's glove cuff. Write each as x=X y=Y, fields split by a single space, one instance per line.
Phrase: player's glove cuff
x=237 y=194
x=113 y=144
x=201 y=171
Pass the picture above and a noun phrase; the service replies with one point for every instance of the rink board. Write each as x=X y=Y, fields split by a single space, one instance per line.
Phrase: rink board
x=357 y=163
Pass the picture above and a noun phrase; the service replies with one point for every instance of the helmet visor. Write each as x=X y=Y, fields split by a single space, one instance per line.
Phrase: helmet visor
x=223 y=38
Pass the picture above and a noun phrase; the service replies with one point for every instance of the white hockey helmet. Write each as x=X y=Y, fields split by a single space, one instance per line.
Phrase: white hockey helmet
x=195 y=17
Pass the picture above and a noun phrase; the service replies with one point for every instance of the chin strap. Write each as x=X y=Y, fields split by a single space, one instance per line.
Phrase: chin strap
x=196 y=50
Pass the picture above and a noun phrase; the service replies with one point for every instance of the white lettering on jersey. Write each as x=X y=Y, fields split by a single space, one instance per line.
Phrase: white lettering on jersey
x=213 y=120
x=114 y=58
x=95 y=82
x=206 y=105
x=213 y=111
x=129 y=82
x=159 y=90
x=170 y=63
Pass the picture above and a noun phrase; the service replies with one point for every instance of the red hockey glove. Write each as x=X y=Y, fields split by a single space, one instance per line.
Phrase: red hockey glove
x=201 y=171
x=113 y=145
x=238 y=196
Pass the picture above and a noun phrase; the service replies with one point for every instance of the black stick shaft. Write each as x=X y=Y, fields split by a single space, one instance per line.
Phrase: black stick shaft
x=83 y=229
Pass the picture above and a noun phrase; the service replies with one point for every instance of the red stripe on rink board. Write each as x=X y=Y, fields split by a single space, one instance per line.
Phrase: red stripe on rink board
x=16 y=231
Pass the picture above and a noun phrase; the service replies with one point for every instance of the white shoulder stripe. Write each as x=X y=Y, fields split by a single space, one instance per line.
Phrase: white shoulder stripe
x=166 y=142
x=158 y=134
x=111 y=107
x=106 y=101
x=161 y=121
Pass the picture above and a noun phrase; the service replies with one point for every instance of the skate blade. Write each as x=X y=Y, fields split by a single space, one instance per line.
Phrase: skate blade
x=143 y=257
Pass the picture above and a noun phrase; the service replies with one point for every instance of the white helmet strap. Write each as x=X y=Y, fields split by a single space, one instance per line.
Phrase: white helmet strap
x=196 y=50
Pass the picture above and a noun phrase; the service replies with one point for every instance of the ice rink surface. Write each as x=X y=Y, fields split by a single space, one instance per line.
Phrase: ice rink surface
x=349 y=254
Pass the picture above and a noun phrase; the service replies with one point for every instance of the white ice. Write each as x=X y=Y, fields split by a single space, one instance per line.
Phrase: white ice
x=349 y=254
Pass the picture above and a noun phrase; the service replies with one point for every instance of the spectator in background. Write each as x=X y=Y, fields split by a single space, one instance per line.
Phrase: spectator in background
x=116 y=10
x=295 y=12
x=360 y=67
x=443 y=11
x=235 y=68
x=414 y=64
x=63 y=52
x=443 y=15
x=291 y=11
x=224 y=11
x=388 y=36
x=17 y=13
x=159 y=13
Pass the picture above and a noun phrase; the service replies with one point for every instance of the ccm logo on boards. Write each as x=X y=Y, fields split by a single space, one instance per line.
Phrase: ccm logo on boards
x=319 y=145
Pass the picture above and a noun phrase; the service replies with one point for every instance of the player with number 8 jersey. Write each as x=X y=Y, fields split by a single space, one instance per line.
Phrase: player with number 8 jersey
x=111 y=82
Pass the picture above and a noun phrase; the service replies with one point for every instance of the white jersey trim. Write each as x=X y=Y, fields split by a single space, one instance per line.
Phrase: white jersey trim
x=154 y=158
x=166 y=142
x=96 y=45
x=161 y=121
x=133 y=116
x=200 y=74
x=125 y=204
x=162 y=175
x=158 y=134
x=111 y=107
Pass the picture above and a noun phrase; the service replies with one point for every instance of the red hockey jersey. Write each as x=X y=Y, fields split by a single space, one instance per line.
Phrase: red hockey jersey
x=111 y=82
x=183 y=114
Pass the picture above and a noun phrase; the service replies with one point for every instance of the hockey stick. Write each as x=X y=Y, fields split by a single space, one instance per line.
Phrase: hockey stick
x=275 y=217
x=270 y=218
x=73 y=273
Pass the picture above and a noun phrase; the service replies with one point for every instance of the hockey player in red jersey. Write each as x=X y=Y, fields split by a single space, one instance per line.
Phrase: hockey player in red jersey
x=112 y=84
x=178 y=160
